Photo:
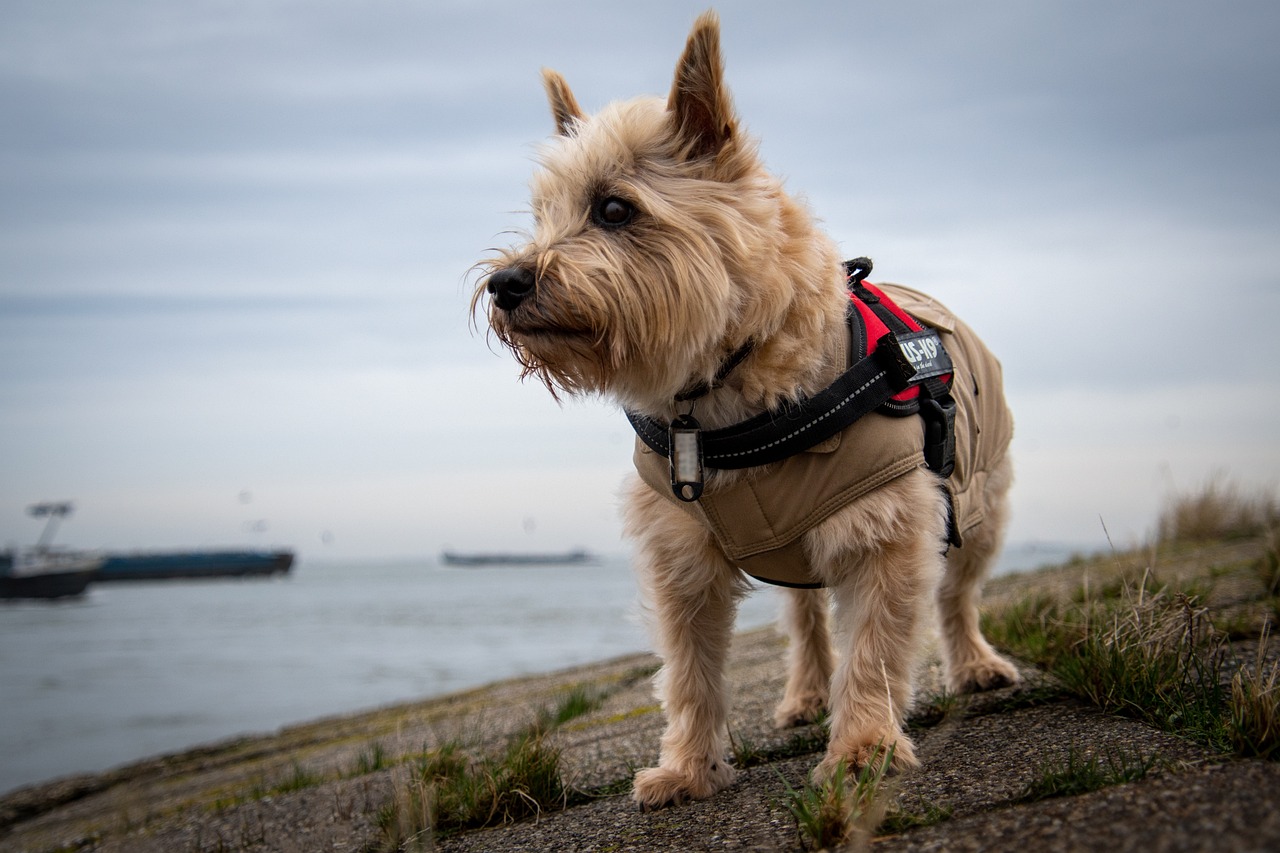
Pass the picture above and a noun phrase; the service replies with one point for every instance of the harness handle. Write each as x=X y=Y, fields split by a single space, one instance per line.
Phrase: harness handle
x=856 y=270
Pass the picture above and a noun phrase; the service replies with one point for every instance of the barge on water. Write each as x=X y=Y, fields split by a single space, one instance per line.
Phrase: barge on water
x=166 y=565
x=44 y=571
x=567 y=558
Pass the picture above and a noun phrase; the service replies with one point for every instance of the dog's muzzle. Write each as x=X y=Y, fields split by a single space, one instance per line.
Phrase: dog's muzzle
x=510 y=287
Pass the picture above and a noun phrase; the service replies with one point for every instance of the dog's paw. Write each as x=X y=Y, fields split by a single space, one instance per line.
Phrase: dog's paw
x=988 y=673
x=795 y=711
x=898 y=750
x=659 y=787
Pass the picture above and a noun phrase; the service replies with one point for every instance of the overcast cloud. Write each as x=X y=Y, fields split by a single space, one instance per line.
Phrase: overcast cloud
x=235 y=243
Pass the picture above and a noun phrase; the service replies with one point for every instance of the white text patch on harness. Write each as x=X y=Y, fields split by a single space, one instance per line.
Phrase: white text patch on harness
x=925 y=352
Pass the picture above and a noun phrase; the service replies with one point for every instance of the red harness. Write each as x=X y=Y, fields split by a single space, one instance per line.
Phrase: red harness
x=874 y=315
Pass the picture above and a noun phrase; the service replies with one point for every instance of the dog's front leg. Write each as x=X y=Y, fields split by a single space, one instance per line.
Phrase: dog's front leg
x=884 y=559
x=692 y=592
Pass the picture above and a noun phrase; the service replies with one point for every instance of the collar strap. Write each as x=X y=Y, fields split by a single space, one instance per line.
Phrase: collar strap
x=701 y=389
x=794 y=427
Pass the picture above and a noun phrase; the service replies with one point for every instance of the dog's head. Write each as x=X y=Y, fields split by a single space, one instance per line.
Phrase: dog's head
x=660 y=243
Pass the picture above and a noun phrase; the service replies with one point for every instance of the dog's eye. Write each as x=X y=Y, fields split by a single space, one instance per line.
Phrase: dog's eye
x=612 y=212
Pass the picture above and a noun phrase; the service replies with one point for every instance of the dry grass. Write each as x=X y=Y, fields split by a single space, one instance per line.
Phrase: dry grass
x=1218 y=510
x=1255 y=707
x=1149 y=654
x=1152 y=653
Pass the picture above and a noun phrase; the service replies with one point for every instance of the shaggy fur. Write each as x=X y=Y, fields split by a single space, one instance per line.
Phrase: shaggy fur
x=661 y=246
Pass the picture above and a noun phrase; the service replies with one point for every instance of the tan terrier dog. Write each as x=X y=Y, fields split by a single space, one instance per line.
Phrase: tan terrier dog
x=671 y=272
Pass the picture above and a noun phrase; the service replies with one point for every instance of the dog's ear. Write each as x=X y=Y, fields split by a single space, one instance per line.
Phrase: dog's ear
x=564 y=106
x=699 y=103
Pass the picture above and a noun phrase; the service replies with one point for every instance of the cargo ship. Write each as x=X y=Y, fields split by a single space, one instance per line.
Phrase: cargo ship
x=568 y=558
x=166 y=565
x=44 y=571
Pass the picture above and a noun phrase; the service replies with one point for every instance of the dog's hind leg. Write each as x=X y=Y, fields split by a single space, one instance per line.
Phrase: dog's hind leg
x=971 y=663
x=692 y=592
x=806 y=619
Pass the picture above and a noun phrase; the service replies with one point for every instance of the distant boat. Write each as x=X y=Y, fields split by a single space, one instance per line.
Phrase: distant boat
x=166 y=565
x=46 y=574
x=453 y=558
x=43 y=571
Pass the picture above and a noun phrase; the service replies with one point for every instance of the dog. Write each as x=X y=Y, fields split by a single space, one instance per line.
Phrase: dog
x=670 y=271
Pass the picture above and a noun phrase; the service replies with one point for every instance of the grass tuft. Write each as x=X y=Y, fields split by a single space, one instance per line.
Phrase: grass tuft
x=745 y=751
x=1218 y=510
x=935 y=709
x=898 y=821
x=835 y=813
x=1254 y=725
x=1150 y=654
x=449 y=790
x=1082 y=774
x=299 y=779
x=372 y=761
x=1268 y=566
x=576 y=702
x=1154 y=658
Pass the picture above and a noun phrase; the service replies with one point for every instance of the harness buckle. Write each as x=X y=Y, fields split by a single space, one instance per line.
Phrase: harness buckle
x=895 y=362
x=939 y=414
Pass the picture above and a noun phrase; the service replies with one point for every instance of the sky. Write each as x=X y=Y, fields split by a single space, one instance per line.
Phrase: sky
x=237 y=247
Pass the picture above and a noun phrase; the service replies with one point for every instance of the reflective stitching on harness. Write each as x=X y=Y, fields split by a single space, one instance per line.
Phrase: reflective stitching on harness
x=655 y=436
x=853 y=395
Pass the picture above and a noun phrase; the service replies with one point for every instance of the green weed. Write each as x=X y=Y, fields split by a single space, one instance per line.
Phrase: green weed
x=745 y=751
x=897 y=821
x=1082 y=774
x=299 y=779
x=834 y=813
x=372 y=761
x=449 y=790
x=1155 y=659
x=577 y=702
x=935 y=709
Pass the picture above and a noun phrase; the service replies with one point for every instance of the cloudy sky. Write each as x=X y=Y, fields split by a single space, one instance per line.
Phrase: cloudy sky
x=235 y=243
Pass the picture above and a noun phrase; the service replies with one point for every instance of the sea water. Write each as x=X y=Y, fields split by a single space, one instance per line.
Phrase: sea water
x=139 y=669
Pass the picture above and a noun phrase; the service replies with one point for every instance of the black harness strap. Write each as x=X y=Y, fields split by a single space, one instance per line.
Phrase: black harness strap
x=795 y=427
x=703 y=388
x=870 y=383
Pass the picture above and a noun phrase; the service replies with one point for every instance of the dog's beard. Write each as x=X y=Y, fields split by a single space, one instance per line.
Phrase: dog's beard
x=571 y=362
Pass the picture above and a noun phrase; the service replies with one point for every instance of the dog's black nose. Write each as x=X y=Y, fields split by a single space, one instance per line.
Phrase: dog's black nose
x=511 y=286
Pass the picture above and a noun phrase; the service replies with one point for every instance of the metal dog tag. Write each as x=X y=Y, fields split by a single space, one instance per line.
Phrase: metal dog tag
x=685 y=440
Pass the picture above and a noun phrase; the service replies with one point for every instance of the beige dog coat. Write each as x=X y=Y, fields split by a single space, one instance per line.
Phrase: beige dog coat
x=760 y=520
